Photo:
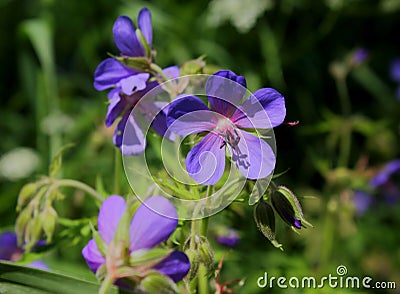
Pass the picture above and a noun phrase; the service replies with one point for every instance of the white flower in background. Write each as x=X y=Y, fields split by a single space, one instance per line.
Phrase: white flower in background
x=242 y=14
x=18 y=163
x=56 y=122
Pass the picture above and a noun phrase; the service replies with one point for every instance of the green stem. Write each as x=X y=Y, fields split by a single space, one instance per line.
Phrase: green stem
x=203 y=280
x=105 y=286
x=343 y=95
x=81 y=186
x=345 y=144
x=154 y=67
x=117 y=170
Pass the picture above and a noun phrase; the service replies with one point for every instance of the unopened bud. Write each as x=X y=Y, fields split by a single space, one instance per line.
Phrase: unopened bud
x=192 y=67
x=297 y=218
x=49 y=220
x=265 y=219
x=27 y=192
x=206 y=253
x=33 y=232
x=194 y=263
x=155 y=282
x=21 y=223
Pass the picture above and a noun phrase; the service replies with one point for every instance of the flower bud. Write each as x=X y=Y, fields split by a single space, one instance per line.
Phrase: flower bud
x=155 y=282
x=21 y=223
x=192 y=67
x=194 y=263
x=33 y=232
x=290 y=208
x=27 y=192
x=206 y=253
x=49 y=219
x=265 y=219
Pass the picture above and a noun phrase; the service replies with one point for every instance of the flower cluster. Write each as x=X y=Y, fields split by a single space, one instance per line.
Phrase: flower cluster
x=228 y=121
x=129 y=84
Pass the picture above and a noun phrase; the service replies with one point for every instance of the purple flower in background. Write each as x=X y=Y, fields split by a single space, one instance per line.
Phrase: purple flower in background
x=9 y=250
x=224 y=121
x=362 y=201
x=395 y=74
x=229 y=237
x=395 y=70
x=359 y=56
x=147 y=230
x=386 y=173
x=384 y=181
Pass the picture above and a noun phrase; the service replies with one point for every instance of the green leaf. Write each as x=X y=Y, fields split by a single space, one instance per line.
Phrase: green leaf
x=20 y=279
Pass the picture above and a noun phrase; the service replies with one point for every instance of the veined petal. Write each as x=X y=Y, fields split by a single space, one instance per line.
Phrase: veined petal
x=134 y=83
x=189 y=115
x=110 y=214
x=264 y=109
x=119 y=130
x=109 y=72
x=205 y=163
x=176 y=266
x=115 y=108
x=150 y=225
x=92 y=255
x=144 y=24
x=225 y=91
x=125 y=37
x=253 y=156
x=134 y=140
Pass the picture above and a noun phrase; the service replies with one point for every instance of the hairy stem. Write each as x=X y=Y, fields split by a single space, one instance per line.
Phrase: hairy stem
x=80 y=186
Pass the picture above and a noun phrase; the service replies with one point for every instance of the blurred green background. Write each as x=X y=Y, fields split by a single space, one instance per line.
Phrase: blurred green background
x=348 y=111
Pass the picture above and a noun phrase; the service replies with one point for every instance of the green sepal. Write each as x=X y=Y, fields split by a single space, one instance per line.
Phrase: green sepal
x=145 y=256
x=142 y=39
x=99 y=241
x=155 y=282
x=138 y=63
x=265 y=220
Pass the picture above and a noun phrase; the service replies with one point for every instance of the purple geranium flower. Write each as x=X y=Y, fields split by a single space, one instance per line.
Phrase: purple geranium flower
x=147 y=230
x=125 y=37
x=225 y=120
x=228 y=237
x=124 y=99
x=9 y=250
